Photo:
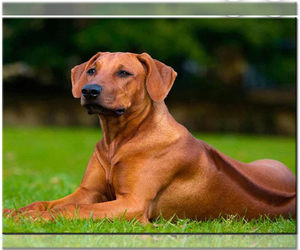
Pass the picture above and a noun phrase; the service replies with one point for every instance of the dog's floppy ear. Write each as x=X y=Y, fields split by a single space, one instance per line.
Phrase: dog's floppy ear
x=78 y=75
x=160 y=77
x=78 y=78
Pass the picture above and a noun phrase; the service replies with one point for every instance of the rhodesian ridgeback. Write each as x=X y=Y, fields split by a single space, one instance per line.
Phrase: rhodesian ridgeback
x=147 y=164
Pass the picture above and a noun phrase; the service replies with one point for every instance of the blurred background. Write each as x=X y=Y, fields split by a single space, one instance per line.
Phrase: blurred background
x=234 y=75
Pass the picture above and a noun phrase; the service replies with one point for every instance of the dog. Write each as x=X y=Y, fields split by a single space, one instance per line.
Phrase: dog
x=147 y=164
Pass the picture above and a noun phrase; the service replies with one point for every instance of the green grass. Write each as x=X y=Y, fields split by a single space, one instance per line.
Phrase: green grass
x=220 y=225
x=48 y=163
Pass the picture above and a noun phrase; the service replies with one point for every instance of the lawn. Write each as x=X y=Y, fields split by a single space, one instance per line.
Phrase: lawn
x=49 y=163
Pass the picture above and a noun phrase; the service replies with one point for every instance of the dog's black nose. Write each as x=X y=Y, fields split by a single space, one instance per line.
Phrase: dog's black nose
x=91 y=91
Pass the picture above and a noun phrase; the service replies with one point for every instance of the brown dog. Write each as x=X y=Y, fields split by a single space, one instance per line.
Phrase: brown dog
x=147 y=164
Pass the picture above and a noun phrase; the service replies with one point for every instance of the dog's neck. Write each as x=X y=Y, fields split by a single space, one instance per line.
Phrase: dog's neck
x=118 y=130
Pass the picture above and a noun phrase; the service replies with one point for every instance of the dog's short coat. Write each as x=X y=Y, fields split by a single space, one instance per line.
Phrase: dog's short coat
x=147 y=164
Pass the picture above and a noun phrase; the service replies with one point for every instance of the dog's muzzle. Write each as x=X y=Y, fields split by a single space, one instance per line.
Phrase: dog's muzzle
x=90 y=93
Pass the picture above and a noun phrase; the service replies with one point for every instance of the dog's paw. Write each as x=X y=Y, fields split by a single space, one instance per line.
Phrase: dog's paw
x=35 y=206
x=8 y=212
x=35 y=216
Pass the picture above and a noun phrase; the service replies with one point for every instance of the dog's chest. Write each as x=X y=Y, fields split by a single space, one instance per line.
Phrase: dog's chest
x=110 y=192
x=109 y=170
x=109 y=173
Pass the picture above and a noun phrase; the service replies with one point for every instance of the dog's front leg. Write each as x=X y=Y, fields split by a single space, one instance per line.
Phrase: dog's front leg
x=91 y=190
x=124 y=207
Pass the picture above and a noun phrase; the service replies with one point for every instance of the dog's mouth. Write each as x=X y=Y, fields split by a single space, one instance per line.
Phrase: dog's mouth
x=98 y=109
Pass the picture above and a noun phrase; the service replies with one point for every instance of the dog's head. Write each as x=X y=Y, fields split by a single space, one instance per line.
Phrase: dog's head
x=114 y=83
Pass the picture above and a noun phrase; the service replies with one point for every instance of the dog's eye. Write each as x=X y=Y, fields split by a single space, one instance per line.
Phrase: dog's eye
x=123 y=73
x=91 y=71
